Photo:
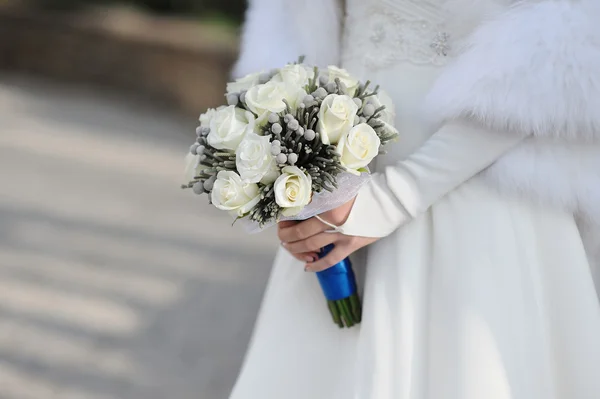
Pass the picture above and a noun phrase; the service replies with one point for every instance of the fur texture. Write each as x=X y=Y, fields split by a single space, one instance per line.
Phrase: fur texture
x=563 y=175
x=534 y=70
x=277 y=32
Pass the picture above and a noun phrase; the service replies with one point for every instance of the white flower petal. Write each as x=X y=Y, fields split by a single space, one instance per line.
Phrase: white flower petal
x=254 y=160
x=344 y=76
x=336 y=117
x=231 y=194
x=244 y=83
x=293 y=189
x=192 y=167
x=359 y=147
x=229 y=126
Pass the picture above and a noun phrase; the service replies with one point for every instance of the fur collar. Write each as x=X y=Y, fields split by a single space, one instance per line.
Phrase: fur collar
x=534 y=70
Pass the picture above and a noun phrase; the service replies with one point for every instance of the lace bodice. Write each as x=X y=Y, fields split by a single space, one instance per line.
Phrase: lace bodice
x=382 y=33
x=400 y=45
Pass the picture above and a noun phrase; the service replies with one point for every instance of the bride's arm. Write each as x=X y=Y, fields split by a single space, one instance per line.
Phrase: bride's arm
x=457 y=152
x=453 y=155
x=530 y=72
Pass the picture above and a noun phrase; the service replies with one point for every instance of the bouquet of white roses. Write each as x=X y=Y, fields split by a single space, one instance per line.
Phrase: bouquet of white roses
x=291 y=144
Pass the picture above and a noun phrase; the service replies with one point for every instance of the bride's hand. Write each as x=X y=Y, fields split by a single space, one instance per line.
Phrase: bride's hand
x=305 y=239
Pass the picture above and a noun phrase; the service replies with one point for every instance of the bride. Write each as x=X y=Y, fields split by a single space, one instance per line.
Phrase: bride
x=480 y=229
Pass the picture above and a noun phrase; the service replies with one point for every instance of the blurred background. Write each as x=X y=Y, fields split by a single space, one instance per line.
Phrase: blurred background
x=114 y=283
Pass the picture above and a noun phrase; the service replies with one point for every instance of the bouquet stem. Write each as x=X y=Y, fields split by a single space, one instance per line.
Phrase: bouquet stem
x=346 y=312
x=339 y=286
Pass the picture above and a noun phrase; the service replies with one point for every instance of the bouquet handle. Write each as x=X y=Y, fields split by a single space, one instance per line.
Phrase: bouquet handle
x=339 y=286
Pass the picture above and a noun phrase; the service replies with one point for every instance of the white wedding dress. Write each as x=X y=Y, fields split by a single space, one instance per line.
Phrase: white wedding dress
x=480 y=297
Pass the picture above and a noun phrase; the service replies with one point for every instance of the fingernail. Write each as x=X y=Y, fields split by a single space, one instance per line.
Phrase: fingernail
x=284 y=244
x=306 y=269
x=309 y=259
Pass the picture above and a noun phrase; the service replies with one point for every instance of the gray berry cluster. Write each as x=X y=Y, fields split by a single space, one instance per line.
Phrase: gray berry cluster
x=212 y=159
x=294 y=141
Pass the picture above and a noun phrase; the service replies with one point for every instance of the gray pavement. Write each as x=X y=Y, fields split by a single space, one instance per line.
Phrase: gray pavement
x=114 y=284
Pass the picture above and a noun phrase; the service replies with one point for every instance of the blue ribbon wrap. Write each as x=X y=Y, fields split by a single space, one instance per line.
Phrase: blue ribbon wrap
x=338 y=282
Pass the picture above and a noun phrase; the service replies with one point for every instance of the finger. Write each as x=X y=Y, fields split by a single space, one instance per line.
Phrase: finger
x=307 y=257
x=312 y=244
x=287 y=223
x=302 y=230
x=338 y=254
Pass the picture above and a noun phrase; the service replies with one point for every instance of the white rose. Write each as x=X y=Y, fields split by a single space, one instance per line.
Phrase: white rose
x=206 y=117
x=358 y=148
x=254 y=161
x=344 y=76
x=229 y=193
x=229 y=126
x=192 y=167
x=266 y=97
x=336 y=117
x=295 y=75
x=293 y=190
x=269 y=97
x=244 y=83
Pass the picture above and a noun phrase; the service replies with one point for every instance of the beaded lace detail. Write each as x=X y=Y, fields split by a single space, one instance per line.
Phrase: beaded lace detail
x=385 y=32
